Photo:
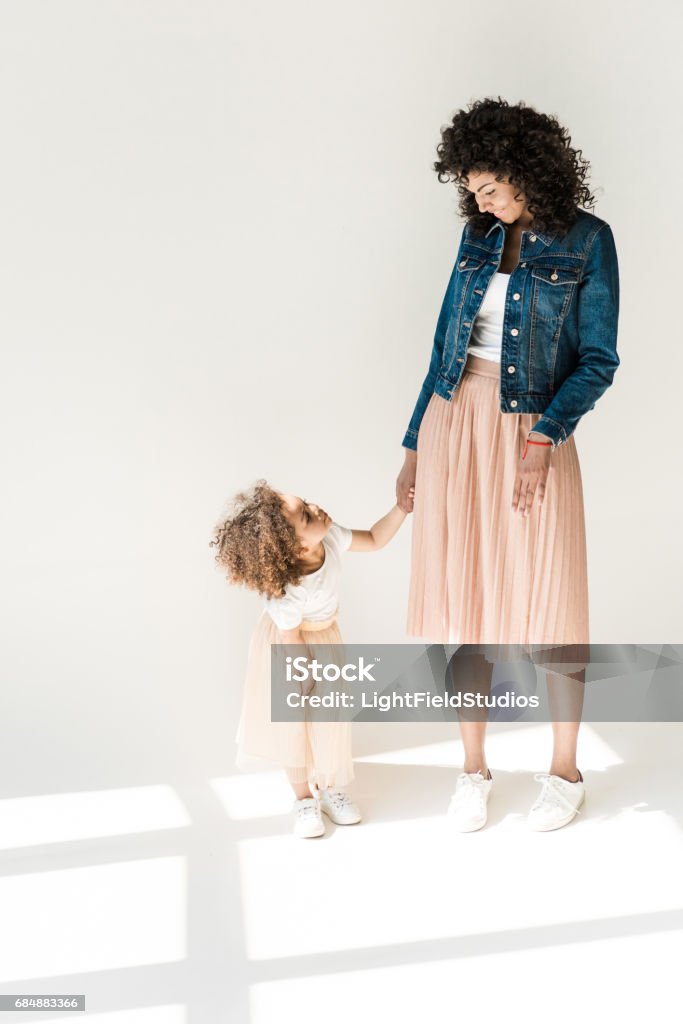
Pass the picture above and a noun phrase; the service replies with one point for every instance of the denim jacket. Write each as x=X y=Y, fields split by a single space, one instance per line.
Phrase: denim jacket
x=559 y=339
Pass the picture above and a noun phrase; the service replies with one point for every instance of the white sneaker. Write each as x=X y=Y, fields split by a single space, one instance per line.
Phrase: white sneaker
x=339 y=807
x=558 y=803
x=308 y=822
x=467 y=809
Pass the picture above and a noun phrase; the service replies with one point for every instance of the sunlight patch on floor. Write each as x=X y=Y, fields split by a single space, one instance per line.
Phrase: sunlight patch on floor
x=534 y=985
x=524 y=747
x=378 y=884
x=68 y=817
x=93 y=918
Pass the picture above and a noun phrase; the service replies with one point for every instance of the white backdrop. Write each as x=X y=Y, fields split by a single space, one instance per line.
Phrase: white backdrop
x=223 y=255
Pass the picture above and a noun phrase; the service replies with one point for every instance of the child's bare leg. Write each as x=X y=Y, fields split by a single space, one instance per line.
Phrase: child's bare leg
x=298 y=780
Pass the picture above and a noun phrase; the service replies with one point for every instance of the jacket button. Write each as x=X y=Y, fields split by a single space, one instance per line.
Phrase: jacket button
x=513 y=403
x=516 y=296
x=478 y=291
x=460 y=360
x=514 y=332
x=523 y=264
x=511 y=369
x=553 y=276
x=532 y=238
x=462 y=263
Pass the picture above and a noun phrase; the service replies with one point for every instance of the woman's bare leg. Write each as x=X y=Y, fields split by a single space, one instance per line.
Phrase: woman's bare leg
x=565 y=698
x=473 y=673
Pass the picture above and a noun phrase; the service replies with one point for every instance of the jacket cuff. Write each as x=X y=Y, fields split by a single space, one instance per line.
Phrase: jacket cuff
x=410 y=440
x=552 y=429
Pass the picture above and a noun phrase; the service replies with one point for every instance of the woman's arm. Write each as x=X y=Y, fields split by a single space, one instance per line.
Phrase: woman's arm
x=427 y=389
x=379 y=534
x=405 y=483
x=598 y=313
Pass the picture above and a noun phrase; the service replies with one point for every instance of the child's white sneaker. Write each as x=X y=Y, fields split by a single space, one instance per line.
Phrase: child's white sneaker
x=558 y=803
x=308 y=822
x=338 y=807
x=467 y=810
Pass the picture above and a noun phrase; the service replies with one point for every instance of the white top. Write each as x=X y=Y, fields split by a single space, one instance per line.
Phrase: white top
x=487 y=330
x=317 y=596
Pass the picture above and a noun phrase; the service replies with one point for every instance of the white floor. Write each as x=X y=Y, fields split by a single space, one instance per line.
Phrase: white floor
x=195 y=905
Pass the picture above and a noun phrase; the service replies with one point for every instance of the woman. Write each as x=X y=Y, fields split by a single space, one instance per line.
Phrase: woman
x=525 y=344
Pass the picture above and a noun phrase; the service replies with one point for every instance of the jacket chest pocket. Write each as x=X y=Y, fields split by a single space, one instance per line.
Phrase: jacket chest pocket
x=468 y=262
x=552 y=291
x=468 y=268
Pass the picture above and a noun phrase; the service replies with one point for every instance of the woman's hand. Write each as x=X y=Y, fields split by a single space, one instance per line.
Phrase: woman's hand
x=405 y=482
x=532 y=473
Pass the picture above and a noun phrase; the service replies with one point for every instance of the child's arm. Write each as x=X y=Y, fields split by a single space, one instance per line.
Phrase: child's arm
x=379 y=534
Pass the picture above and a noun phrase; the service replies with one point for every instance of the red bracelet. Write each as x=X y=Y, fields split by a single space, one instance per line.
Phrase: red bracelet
x=528 y=442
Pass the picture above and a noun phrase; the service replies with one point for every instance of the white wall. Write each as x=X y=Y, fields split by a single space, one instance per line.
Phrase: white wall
x=223 y=255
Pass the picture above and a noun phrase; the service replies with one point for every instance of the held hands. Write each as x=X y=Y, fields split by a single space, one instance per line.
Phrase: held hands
x=405 y=482
x=532 y=473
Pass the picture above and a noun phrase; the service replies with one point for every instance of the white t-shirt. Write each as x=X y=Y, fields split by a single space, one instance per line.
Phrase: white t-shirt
x=487 y=330
x=317 y=595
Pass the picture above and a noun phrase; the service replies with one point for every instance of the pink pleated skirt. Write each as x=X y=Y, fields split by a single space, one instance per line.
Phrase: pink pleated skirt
x=318 y=752
x=480 y=572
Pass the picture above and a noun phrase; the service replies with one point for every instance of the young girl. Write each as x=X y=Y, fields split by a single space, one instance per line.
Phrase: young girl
x=290 y=551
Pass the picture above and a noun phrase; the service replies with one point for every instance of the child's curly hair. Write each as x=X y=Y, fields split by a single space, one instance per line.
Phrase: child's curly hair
x=256 y=544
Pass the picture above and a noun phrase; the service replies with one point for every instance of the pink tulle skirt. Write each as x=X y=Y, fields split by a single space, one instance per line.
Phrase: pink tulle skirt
x=481 y=573
x=318 y=752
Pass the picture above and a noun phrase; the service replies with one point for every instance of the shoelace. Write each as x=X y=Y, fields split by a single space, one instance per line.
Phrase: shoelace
x=338 y=798
x=466 y=787
x=552 y=792
x=307 y=810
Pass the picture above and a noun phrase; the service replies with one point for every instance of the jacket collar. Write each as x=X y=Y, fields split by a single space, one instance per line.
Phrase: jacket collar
x=542 y=235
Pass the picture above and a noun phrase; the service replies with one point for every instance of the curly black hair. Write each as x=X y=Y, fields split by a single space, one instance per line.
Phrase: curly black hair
x=530 y=149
